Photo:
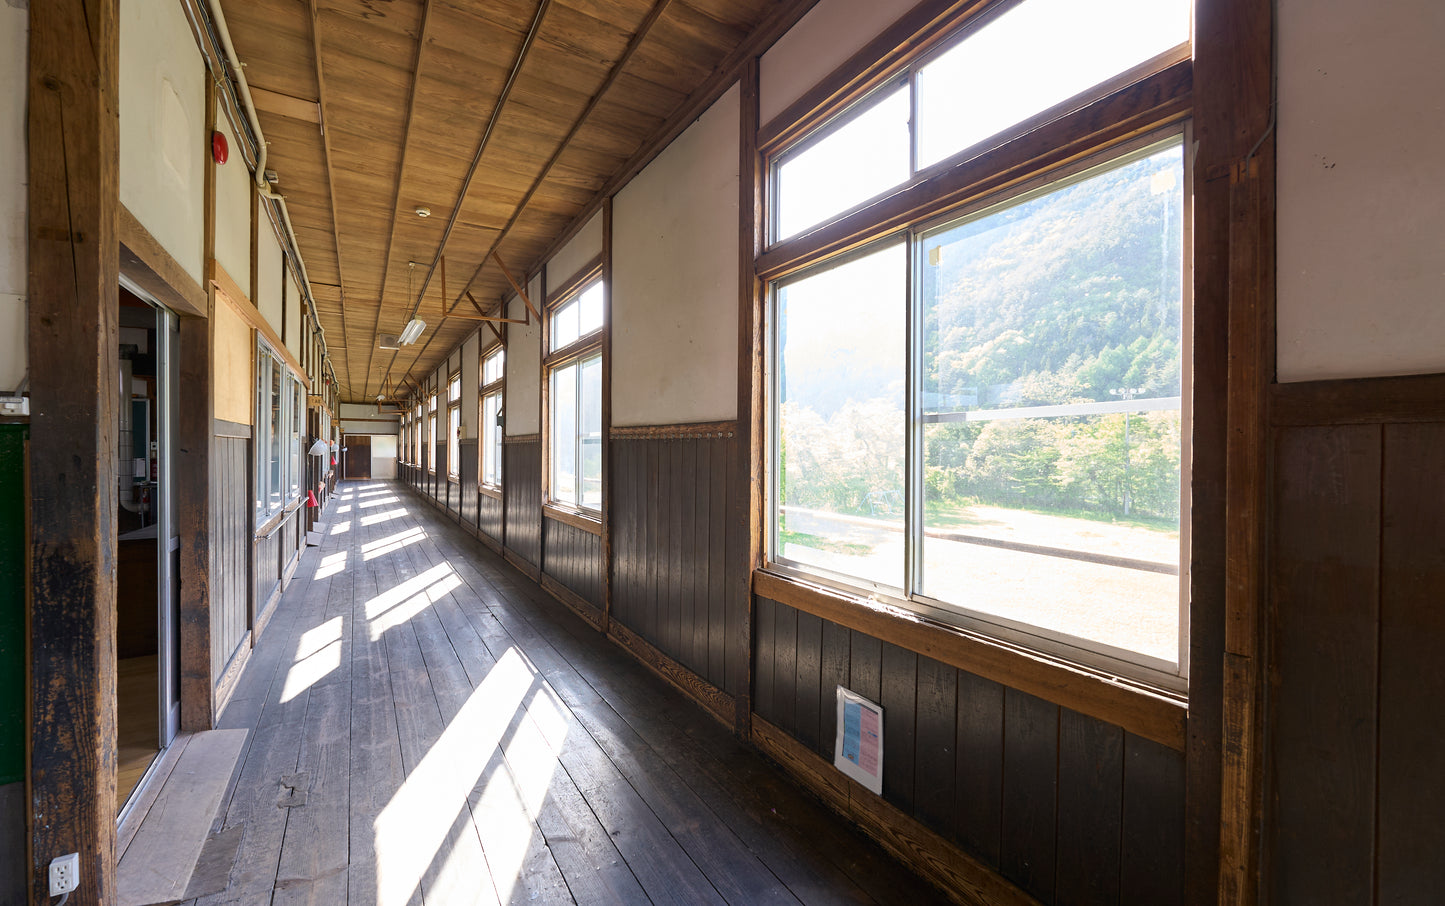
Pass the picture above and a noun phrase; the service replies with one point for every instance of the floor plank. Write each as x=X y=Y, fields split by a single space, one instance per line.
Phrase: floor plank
x=429 y=727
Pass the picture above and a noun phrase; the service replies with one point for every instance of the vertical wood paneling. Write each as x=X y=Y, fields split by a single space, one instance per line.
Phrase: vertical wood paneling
x=807 y=678
x=489 y=516
x=1031 y=737
x=900 y=728
x=1152 y=858
x=935 y=758
x=979 y=774
x=1412 y=685
x=573 y=557
x=785 y=670
x=1091 y=804
x=523 y=489
x=468 y=485
x=1326 y=617
x=670 y=545
x=833 y=672
x=763 y=636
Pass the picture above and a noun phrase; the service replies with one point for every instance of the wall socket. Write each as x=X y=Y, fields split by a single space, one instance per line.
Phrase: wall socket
x=64 y=874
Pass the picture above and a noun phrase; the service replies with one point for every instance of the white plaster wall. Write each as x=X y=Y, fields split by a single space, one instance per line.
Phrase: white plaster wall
x=162 y=128
x=675 y=279
x=294 y=303
x=471 y=376
x=573 y=256
x=1361 y=198
x=14 y=32
x=822 y=41
x=233 y=214
x=524 y=364
x=383 y=456
x=267 y=293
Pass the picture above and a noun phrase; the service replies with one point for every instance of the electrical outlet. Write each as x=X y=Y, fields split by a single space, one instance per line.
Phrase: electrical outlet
x=64 y=874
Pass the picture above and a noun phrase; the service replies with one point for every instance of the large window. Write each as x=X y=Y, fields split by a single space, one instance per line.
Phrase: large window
x=416 y=435
x=1007 y=68
x=979 y=409
x=574 y=396
x=431 y=436
x=454 y=425
x=1017 y=458
x=493 y=389
x=280 y=420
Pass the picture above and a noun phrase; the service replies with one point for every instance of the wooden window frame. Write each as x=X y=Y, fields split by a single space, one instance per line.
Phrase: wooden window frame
x=431 y=437
x=484 y=390
x=454 y=408
x=581 y=348
x=1147 y=100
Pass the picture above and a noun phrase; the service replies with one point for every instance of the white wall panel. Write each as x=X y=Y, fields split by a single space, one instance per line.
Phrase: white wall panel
x=14 y=31
x=573 y=256
x=1361 y=200
x=471 y=376
x=822 y=41
x=524 y=363
x=675 y=279
x=267 y=294
x=163 y=128
x=233 y=214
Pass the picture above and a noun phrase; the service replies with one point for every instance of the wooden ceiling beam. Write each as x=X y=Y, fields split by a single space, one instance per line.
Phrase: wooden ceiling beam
x=472 y=171
x=314 y=19
x=411 y=108
x=286 y=105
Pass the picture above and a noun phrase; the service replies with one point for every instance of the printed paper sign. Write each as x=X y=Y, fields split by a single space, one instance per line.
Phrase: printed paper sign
x=859 y=748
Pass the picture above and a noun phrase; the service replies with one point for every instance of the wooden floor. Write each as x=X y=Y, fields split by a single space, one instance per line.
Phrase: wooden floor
x=137 y=722
x=428 y=726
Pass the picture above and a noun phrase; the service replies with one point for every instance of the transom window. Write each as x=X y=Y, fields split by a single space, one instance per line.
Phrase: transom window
x=983 y=417
x=1012 y=65
x=574 y=396
x=493 y=397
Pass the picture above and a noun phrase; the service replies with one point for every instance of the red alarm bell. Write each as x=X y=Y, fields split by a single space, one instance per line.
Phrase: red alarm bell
x=220 y=151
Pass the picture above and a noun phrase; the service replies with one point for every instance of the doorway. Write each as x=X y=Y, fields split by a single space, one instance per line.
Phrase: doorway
x=356 y=454
x=148 y=549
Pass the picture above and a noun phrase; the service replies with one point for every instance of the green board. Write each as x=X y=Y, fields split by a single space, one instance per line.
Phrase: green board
x=12 y=602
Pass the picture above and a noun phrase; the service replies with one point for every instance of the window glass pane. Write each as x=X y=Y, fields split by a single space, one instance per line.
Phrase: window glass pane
x=590 y=317
x=454 y=388
x=1051 y=407
x=841 y=426
x=298 y=420
x=275 y=435
x=1036 y=55
x=492 y=367
x=263 y=469
x=491 y=438
x=431 y=442
x=565 y=325
x=563 y=403
x=590 y=437
x=851 y=164
x=454 y=428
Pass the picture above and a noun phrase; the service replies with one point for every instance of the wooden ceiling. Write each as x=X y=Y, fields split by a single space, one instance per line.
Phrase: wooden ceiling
x=505 y=118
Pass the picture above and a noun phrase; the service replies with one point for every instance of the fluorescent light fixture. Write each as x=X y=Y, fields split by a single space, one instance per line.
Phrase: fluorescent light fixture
x=413 y=330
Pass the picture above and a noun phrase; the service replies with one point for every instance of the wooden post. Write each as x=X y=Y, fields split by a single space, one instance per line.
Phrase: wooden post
x=74 y=273
x=746 y=507
x=607 y=486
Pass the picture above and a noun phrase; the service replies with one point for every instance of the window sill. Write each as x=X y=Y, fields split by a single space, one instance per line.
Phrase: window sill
x=1142 y=712
x=491 y=491
x=581 y=519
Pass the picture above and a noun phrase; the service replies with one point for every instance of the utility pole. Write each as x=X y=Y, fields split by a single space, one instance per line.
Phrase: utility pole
x=1126 y=393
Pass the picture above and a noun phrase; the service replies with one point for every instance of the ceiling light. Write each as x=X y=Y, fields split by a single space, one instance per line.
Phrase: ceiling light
x=423 y=212
x=413 y=330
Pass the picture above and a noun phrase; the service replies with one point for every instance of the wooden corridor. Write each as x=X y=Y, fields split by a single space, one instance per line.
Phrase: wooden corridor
x=428 y=726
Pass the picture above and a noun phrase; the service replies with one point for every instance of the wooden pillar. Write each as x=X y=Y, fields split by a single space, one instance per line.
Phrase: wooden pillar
x=73 y=126
x=1234 y=352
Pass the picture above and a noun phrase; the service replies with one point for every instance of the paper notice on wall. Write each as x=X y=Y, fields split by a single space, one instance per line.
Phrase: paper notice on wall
x=858 y=751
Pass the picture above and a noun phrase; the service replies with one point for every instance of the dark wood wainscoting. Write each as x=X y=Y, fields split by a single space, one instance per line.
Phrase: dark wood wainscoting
x=677 y=580
x=522 y=466
x=230 y=543
x=466 y=503
x=489 y=516
x=1068 y=807
x=1356 y=696
x=573 y=557
x=266 y=558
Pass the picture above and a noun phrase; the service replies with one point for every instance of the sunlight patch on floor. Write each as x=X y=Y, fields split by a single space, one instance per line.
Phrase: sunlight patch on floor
x=344 y=508
x=330 y=565
x=412 y=829
x=382 y=546
x=341 y=528
x=366 y=504
x=383 y=517
x=318 y=653
x=400 y=603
